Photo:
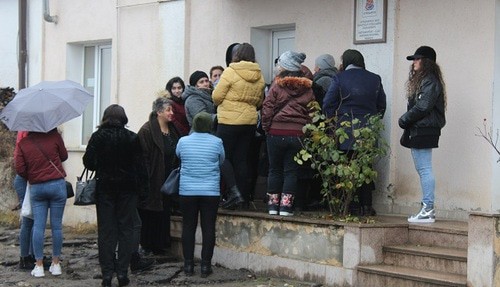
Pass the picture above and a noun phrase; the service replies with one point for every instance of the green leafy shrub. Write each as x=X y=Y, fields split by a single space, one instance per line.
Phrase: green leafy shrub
x=342 y=173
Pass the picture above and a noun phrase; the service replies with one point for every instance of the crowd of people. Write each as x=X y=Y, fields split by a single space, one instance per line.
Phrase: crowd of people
x=213 y=129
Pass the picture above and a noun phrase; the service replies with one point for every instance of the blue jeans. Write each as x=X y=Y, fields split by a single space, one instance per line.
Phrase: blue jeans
x=25 y=233
x=422 y=158
x=44 y=196
x=283 y=170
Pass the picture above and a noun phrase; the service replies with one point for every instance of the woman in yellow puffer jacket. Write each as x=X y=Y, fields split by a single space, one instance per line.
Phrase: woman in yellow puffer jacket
x=238 y=95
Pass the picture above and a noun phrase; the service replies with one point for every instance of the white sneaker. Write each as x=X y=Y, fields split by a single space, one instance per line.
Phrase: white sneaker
x=55 y=269
x=424 y=216
x=38 y=271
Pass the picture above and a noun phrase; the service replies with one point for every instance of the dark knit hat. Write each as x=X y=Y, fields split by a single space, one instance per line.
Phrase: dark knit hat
x=202 y=122
x=423 y=52
x=196 y=76
x=291 y=61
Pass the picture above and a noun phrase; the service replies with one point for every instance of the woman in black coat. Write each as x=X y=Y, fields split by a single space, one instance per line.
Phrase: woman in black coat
x=114 y=152
x=158 y=137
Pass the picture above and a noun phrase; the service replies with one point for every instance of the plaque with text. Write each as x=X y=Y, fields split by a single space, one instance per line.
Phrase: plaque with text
x=370 y=21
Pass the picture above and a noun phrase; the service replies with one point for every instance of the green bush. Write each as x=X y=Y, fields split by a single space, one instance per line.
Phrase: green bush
x=341 y=174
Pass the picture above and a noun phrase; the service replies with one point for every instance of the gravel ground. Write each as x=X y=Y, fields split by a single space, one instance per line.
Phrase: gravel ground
x=80 y=268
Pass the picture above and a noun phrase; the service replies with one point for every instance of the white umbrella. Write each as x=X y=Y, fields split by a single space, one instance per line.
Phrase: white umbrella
x=45 y=106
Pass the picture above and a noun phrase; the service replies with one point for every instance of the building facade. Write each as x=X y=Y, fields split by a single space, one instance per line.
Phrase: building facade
x=125 y=51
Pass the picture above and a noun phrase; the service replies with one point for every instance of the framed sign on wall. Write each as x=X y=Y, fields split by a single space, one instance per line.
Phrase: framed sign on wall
x=370 y=21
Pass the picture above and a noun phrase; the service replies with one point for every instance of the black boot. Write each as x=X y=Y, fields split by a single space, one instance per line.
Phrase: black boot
x=123 y=280
x=206 y=268
x=367 y=210
x=26 y=263
x=234 y=198
x=139 y=264
x=188 y=267
x=106 y=281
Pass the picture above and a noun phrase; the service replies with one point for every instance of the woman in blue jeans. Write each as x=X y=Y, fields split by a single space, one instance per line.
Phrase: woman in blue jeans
x=422 y=123
x=27 y=260
x=39 y=159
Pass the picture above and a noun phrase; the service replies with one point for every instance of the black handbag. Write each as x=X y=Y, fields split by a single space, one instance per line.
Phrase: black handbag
x=171 y=184
x=85 y=188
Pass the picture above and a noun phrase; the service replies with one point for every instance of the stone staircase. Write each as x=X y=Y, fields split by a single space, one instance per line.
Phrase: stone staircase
x=434 y=255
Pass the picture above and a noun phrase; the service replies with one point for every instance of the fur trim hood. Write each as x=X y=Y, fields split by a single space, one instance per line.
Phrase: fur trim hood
x=294 y=85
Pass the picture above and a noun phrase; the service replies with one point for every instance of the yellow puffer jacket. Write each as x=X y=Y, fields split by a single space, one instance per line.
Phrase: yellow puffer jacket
x=239 y=93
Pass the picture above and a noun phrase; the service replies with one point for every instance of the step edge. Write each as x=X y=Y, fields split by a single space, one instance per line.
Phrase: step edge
x=402 y=249
x=459 y=280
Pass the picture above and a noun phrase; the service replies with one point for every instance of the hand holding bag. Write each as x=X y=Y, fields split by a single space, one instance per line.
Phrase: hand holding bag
x=26 y=210
x=85 y=188
x=171 y=184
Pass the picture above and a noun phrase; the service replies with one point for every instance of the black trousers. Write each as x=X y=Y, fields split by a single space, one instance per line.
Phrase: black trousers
x=206 y=208
x=116 y=213
x=236 y=140
x=155 y=231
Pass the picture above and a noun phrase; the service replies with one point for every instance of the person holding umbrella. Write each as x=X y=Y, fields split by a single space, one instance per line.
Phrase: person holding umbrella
x=39 y=159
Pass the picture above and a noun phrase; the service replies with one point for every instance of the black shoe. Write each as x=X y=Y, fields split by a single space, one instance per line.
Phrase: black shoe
x=106 y=282
x=123 y=280
x=139 y=264
x=233 y=199
x=367 y=210
x=206 y=268
x=189 y=267
x=27 y=263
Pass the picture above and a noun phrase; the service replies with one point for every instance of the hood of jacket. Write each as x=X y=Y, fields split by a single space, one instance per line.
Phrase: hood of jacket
x=190 y=91
x=249 y=71
x=294 y=86
x=330 y=72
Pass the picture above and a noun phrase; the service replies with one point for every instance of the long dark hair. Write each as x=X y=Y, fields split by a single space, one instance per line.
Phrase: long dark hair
x=114 y=116
x=415 y=78
x=171 y=83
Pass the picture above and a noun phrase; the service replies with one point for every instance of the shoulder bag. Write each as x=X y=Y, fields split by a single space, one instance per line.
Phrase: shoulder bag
x=171 y=184
x=85 y=188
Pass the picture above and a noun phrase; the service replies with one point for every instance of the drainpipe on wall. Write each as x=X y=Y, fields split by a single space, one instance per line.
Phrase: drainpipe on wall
x=46 y=13
x=22 y=52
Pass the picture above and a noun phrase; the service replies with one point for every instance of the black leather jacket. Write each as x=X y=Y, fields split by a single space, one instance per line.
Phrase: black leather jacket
x=426 y=110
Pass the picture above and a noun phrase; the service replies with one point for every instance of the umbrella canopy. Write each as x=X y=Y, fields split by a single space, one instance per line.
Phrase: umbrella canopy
x=43 y=107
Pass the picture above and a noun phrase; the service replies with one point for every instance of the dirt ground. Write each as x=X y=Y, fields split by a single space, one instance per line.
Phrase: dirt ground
x=80 y=268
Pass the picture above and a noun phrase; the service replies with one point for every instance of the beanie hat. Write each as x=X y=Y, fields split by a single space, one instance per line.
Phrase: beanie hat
x=202 y=122
x=291 y=61
x=196 y=76
x=423 y=52
x=325 y=61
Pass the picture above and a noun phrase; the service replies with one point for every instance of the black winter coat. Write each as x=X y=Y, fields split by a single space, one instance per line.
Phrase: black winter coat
x=116 y=155
x=158 y=160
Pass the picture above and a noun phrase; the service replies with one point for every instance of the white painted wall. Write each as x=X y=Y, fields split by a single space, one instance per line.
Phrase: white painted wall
x=8 y=38
x=156 y=40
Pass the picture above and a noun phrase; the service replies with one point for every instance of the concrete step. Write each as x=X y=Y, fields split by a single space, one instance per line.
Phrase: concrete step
x=441 y=259
x=450 y=234
x=388 y=275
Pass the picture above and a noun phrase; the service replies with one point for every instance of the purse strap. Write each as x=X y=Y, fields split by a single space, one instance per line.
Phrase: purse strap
x=86 y=172
x=45 y=155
